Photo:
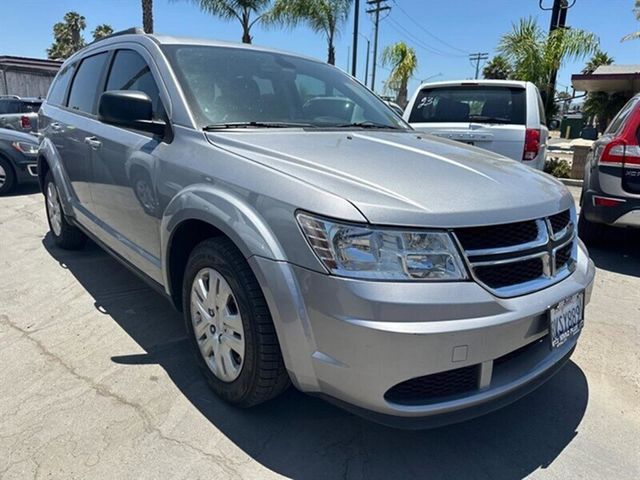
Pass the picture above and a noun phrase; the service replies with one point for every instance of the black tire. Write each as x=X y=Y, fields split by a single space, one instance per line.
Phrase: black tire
x=263 y=374
x=591 y=233
x=9 y=176
x=70 y=237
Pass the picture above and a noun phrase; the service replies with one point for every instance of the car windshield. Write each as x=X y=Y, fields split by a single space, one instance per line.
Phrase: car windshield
x=470 y=103
x=230 y=87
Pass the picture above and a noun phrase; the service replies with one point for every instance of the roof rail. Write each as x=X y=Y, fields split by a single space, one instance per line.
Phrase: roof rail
x=15 y=97
x=128 y=31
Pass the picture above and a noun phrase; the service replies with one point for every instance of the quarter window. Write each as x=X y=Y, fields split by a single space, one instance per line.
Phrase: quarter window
x=130 y=72
x=60 y=85
x=84 y=90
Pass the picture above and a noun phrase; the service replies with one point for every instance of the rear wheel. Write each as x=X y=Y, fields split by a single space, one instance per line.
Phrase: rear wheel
x=7 y=176
x=230 y=327
x=591 y=233
x=65 y=235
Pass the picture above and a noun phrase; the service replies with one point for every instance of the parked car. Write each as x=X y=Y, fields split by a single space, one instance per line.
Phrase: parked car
x=405 y=277
x=611 y=188
x=18 y=159
x=504 y=116
x=19 y=113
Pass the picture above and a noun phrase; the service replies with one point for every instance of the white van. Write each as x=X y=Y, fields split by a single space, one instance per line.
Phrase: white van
x=504 y=116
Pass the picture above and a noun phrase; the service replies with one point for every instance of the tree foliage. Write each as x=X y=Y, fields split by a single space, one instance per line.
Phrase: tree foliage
x=322 y=16
x=634 y=35
x=498 y=68
x=67 y=36
x=403 y=62
x=535 y=54
x=599 y=58
x=247 y=12
x=101 y=31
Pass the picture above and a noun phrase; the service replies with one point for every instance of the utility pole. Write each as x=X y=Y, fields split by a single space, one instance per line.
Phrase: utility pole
x=379 y=7
x=476 y=57
x=356 y=15
x=558 y=20
x=366 y=65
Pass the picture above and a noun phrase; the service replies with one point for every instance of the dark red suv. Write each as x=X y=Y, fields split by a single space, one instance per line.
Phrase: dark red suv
x=611 y=191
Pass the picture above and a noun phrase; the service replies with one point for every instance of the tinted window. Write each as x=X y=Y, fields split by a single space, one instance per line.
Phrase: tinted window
x=9 y=106
x=84 y=90
x=130 y=72
x=481 y=104
x=619 y=119
x=30 y=107
x=59 y=87
x=227 y=85
x=541 y=112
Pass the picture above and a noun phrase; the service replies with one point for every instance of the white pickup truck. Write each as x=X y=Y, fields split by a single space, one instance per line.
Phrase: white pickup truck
x=504 y=116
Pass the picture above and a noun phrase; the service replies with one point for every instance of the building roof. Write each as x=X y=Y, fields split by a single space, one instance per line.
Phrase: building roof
x=609 y=78
x=9 y=62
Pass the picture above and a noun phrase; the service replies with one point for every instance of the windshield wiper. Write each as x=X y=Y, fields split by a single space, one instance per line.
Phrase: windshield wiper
x=366 y=124
x=222 y=126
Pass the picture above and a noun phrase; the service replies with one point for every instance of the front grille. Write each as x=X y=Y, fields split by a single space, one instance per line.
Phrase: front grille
x=433 y=387
x=563 y=255
x=560 y=221
x=500 y=276
x=518 y=258
x=497 y=236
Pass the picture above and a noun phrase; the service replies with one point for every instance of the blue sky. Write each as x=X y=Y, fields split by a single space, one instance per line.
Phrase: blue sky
x=442 y=32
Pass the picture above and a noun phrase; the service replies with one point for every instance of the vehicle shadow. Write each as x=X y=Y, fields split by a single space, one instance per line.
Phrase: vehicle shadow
x=619 y=252
x=302 y=437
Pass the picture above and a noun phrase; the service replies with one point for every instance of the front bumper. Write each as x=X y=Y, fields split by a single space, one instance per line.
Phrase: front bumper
x=354 y=340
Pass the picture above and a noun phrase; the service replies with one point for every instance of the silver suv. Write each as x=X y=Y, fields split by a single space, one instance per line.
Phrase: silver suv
x=308 y=234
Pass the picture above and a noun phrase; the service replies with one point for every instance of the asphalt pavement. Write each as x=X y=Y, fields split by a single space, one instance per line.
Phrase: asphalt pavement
x=97 y=381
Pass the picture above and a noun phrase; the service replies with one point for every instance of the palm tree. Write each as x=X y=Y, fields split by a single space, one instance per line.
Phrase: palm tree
x=322 y=16
x=147 y=16
x=535 y=54
x=67 y=38
x=634 y=35
x=102 y=31
x=241 y=10
x=498 y=68
x=403 y=63
x=598 y=58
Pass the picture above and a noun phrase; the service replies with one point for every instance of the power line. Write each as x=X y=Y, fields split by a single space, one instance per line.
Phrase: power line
x=421 y=27
x=476 y=57
x=413 y=39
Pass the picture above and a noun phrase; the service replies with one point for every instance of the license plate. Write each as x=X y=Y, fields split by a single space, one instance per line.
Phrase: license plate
x=566 y=319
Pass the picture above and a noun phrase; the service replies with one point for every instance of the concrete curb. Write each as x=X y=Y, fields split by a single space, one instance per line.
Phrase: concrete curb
x=572 y=182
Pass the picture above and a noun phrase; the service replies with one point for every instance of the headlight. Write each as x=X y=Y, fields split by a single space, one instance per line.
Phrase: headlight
x=26 y=148
x=383 y=254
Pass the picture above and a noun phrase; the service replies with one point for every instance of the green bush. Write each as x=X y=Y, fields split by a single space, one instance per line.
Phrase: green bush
x=558 y=168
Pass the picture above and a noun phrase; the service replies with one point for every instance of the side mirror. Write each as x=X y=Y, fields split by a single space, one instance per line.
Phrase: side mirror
x=129 y=109
x=554 y=124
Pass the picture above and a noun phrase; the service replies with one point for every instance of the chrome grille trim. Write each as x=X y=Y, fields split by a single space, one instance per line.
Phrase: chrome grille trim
x=545 y=247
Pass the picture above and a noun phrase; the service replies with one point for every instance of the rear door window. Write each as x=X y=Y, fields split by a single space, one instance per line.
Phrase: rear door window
x=129 y=71
x=472 y=103
x=618 y=121
x=84 y=90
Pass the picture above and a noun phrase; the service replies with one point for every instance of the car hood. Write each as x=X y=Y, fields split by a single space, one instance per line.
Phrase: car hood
x=405 y=178
x=14 y=136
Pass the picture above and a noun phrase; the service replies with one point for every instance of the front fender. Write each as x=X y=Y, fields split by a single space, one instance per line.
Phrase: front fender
x=227 y=212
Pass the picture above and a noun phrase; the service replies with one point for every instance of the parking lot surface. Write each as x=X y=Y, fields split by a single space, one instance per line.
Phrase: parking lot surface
x=97 y=381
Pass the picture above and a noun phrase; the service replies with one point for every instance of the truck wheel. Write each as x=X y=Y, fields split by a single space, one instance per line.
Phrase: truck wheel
x=230 y=327
x=65 y=235
x=7 y=176
x=591 y=233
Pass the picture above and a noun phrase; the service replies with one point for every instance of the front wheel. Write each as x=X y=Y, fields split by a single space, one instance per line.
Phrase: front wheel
x=7 y=176
x=230 y=327
x=65 y=235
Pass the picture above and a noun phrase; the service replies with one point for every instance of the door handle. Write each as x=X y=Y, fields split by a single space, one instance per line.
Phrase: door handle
x=56 y=126
x=93 y=142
